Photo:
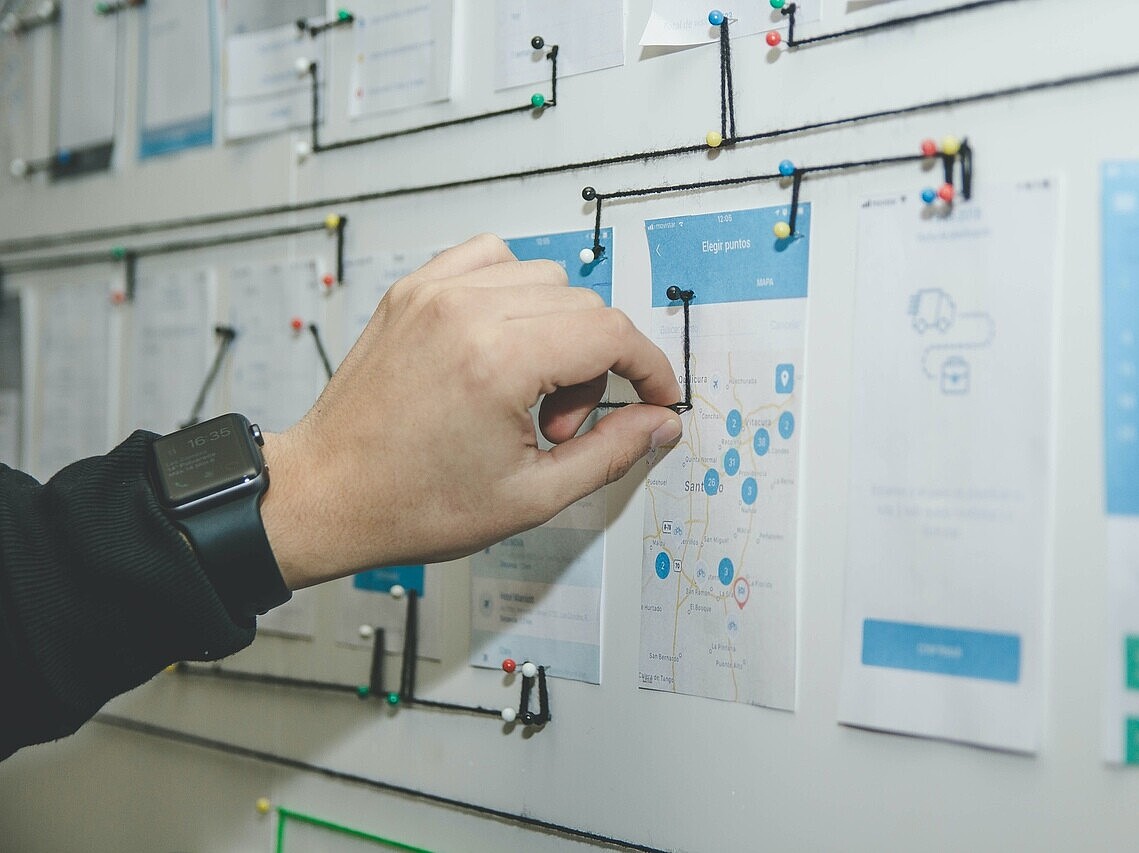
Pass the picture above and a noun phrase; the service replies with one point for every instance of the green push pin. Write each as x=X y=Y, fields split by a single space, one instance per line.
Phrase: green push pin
x=777 y=4
x=118 y=253
x=343 y=15
x=537 y=100
x=362 y=691
x=393 y=698
x=102 y=8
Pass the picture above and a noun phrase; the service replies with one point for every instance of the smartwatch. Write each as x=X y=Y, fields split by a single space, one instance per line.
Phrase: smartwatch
x=210 y=479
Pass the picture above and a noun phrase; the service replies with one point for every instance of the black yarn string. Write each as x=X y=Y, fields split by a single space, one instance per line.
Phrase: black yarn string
x=320 y=349
x=262 y=678
x=317 y=29
x=727 y=93
x=314 y=125
x=965 y=156
x=239 y=751
x=154 y=226
x=26 y=22
x=790 y=9
x=796 y=181
x=130 y=273
x=341 y=223
x=376 y=673
x=318 y=147
x=225 y=334
x=543 y=697
x=410 y=648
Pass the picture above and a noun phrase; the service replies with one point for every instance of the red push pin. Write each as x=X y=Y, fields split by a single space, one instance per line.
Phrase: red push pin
x=928 y=148
x=297 y=323
x=774 y=38
x=328 y=279
x=946 y=192
x=118 y=297
x=508 y=665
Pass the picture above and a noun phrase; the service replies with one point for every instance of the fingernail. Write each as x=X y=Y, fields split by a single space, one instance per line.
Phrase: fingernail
x=666 y=433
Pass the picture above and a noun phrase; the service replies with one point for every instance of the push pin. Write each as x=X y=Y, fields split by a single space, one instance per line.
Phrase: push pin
x=118 y=297
x=774 y=38
x=781 y=230
x=586 y=256
x=529 y=669
x=509 y=665
x=714 y=139
x=397 y=592
x=328 y=279
x=946 y=193
x=304 y=66
x=9 y=24
x=331 y=222
x=264 y=805
x=297 y=323
x=786 y=168
x=928 y=148
x=19 y=168
x=509 y=715
x=950 y=146
x=716 y=18
x=393 y=699
x=537 y=42
x=366 y=632
x=537 y=100
x=778 y=4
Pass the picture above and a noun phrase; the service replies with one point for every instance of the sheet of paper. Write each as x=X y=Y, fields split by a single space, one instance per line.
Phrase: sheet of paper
x=88 y=65
x=366 y=599
x=951 y=467
x=170 y=350
x=263 y=92
x=718 y=578
x=590 y=35
x=403 y=55
x=10 y=415
x=368 y=278
x=537 y=596
x=68 y=327
x=176 y=76
x=675 y=23
x=277 y=372
x=1120 y=220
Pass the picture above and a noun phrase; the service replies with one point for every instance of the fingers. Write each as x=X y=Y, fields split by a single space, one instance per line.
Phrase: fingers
x=603 y=455
x=564 y=411
x=588 y=344
x=480 y=251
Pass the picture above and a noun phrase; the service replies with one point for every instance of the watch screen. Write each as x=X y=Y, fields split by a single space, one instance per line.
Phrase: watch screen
x=207 y=457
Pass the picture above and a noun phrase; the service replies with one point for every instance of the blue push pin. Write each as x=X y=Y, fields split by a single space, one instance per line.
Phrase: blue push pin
x=929 y=195
x=787 y=168
x=63 y=156
x=715 y=17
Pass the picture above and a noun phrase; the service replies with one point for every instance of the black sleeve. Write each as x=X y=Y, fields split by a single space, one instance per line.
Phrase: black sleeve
x=98 y=592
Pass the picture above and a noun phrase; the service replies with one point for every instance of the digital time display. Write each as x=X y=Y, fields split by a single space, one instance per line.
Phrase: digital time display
x=206 y=458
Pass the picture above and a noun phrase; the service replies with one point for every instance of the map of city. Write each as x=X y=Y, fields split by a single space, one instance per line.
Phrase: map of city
x=718 y=598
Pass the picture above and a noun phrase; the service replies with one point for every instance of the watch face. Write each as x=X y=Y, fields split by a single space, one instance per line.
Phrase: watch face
x=205 y=459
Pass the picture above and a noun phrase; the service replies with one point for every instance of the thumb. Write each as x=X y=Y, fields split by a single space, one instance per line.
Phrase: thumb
x=607 y=452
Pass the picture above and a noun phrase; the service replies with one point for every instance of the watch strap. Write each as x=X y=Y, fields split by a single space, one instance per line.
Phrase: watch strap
x=235 y=554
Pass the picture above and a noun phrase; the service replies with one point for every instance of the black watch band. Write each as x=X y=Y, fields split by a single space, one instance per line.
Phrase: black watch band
x=235 y=554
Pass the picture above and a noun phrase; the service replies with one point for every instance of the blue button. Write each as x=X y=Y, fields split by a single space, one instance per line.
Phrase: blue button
x=947 y=651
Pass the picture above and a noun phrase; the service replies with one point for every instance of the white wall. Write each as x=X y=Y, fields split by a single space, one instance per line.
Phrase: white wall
x=668 y=771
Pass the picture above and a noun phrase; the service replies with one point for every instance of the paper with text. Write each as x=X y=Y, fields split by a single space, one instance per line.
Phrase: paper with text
x=675 y=23
x=176 y=77
x=590 y=35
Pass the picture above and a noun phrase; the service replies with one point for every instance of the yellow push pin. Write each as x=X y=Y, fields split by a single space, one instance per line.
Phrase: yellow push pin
x=264 y=806
x=781 y=230
x=714 y=139
x=950 y=145
x=332 y=222
x=172 y=668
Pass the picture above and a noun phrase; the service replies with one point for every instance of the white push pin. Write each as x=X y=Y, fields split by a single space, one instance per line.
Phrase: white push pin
x=18 y=167
x=397 y=591
x=587 y=256
x=303 y=64
x=366 y=632
x=46 y=10
x=9 y=23
x=509 y=715
x=304 y=149
x=529 y=670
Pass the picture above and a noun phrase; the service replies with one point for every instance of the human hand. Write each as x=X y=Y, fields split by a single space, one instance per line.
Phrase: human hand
x=422 y=446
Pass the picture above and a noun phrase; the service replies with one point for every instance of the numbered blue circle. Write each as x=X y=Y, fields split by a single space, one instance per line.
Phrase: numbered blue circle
x=712 y=482
x=663 y=565
x=786 y=424
x=731 y=462
x=762 y=442
x=749 y=491
x=727 y=572
x=735 y=422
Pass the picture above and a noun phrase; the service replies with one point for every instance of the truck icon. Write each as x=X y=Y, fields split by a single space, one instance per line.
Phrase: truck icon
x=932 y=307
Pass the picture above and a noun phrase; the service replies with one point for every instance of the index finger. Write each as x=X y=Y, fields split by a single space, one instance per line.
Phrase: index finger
x=589 y=344
x=480 y=251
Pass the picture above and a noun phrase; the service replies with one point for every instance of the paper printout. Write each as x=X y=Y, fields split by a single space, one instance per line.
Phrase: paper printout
x=277 y=372
x=88 y=56
x=263 y=92
x=685 y=22
x=176 y=78
x=1121 y=446
x=172 y=344
x=951 y=467
x=366 y=599
x=537 y=596
x=718 y=578
x=590 y=35
x=403 y=55
x=71 y=386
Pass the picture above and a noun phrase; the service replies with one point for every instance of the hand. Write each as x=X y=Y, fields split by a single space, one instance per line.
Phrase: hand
x=422 y=447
